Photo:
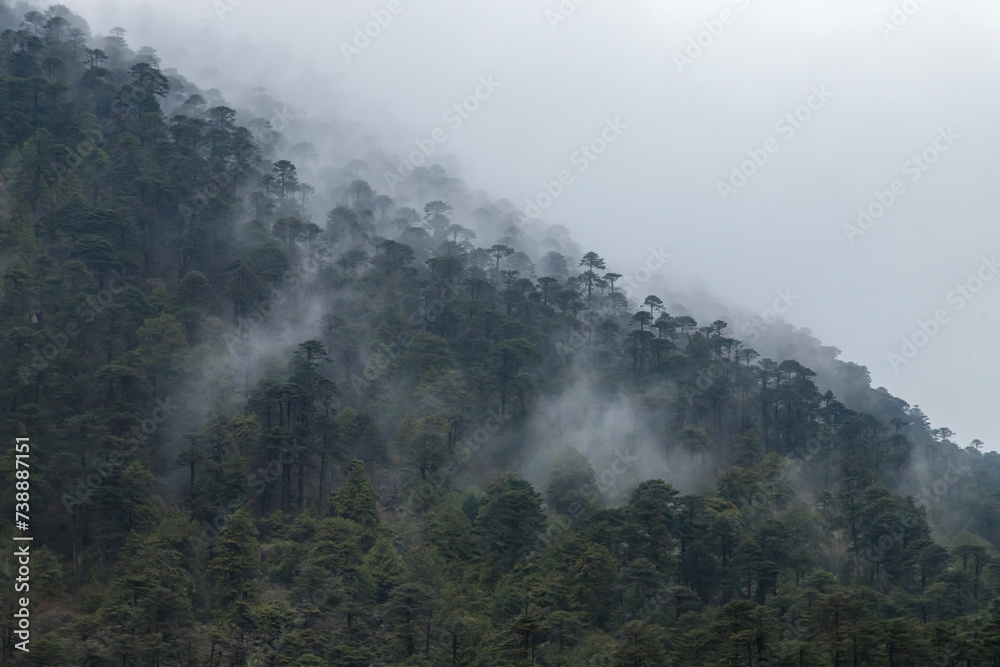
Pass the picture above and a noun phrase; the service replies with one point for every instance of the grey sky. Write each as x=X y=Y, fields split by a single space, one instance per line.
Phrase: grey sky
x=657 y=184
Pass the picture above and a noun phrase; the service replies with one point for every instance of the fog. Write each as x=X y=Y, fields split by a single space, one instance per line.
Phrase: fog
x=874 y=84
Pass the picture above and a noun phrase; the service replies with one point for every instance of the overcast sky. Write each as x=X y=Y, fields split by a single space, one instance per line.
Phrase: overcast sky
x=869 y=86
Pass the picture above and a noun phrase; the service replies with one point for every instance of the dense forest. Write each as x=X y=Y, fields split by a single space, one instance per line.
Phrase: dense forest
x=275 y=423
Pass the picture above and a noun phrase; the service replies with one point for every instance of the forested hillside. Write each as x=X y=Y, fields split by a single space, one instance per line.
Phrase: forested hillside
x=275 y=423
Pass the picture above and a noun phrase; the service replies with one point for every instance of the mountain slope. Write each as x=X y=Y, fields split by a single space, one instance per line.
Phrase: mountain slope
x=291 y=424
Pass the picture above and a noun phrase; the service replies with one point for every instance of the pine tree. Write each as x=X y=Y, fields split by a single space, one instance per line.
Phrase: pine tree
x=357 y=500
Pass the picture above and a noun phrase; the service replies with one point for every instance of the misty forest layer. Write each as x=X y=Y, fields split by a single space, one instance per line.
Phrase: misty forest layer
x=276 y=423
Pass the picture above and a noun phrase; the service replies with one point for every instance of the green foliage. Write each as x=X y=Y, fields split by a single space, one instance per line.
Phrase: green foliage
x=207 y=489
x=572 y=489
x=235 y=562
x=357 y=500
x=641 y=645
x=509 y=520
x=385 y=567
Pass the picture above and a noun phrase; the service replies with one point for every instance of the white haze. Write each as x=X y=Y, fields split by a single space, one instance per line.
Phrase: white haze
x=656 y=186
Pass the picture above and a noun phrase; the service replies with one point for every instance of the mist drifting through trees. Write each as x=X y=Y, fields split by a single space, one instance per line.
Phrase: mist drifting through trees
x=294 y=399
